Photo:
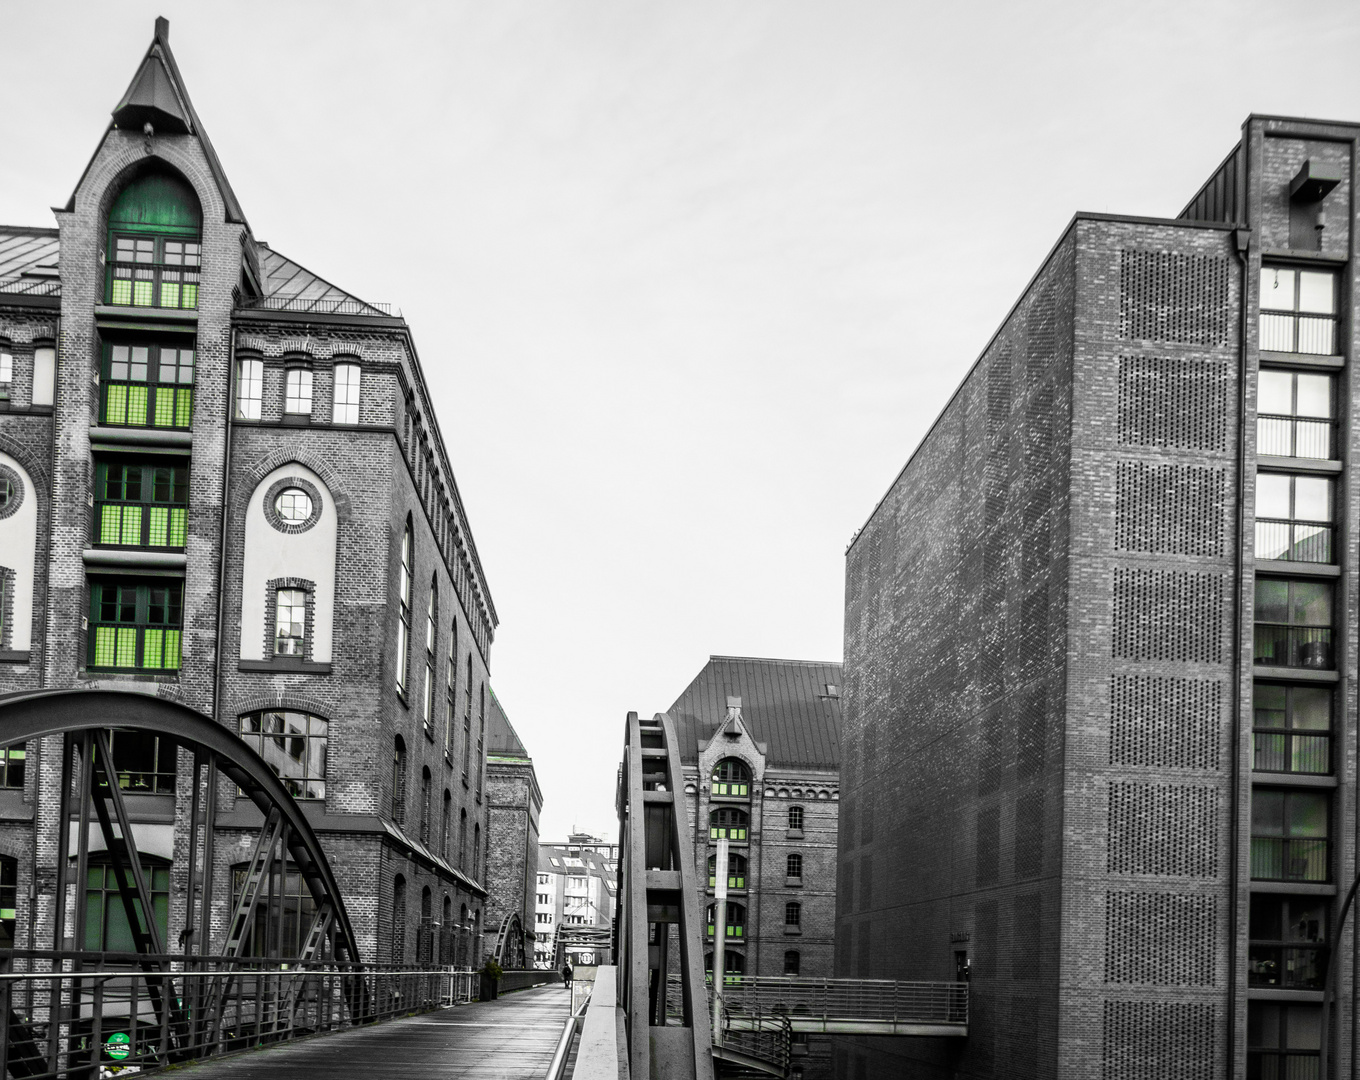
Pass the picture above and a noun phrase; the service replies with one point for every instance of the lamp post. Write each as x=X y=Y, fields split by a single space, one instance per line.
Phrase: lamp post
x=1329 y=991
x=719 y=937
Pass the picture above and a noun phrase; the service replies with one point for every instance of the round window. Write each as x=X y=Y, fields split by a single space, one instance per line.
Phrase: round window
x=294 y=505
x=6 y=492
x=11 y=491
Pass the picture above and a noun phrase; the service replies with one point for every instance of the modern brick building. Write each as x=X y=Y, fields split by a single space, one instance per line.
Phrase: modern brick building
x=513 y=803
x=1100 y=653
x=759 y=745
x=222 y=482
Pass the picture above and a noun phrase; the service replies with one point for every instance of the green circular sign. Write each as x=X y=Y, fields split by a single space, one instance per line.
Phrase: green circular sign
x=118 y=1046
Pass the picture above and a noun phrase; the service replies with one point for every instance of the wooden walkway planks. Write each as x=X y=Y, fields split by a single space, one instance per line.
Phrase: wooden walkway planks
x=510 y=1039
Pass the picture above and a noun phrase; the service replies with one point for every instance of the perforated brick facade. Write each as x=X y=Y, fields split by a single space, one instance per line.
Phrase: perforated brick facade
x=1050 y=665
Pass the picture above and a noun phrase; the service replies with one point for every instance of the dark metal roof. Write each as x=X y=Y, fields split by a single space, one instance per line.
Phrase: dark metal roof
x=784 y=704
x=289 y=286
x=28 y=261
x=501 y=737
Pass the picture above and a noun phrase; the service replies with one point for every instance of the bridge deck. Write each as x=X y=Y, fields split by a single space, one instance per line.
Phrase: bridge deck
x=509 y=1039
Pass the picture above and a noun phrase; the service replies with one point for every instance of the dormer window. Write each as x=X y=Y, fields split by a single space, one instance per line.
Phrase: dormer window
x=154 y=250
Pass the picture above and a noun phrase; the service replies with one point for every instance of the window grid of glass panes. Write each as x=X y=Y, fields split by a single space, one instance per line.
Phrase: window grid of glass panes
x=1291 y=728
x=148 y=386
x=1294 y=518
x=148 y=271
x=727 y=824
x=106 y=922
x=286 y=933
x=297 y=391
x=290 y=622
x=1289 y=835
x=1288 y=938
x=249 y=388
x=135 y=626
x=1295 y=414
x=736 y=919
x=1298 y=310
x=144 y=763
x=141 y=505
x=1293 y=625
x=732 y=779
x=13 y=761
x=293 y=745
x=736 y=871
x=346 y=409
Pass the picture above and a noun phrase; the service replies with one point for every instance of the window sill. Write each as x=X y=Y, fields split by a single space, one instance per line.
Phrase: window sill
x=138 y=312
x=1294 y=674
x=285 y=664
x=1298 y=464
x=795 y=834
x=1297 y=569
x=1300 y=888
x=1289 y=779
x=297 y=420
x=14 y=656
x=1298 y=359
x=1271 y=993
x=1303 y=256
x=149 y=675
x=135 y=559
x=139 y=436
x=793 y=882
x=793 y=931
x=429 y=731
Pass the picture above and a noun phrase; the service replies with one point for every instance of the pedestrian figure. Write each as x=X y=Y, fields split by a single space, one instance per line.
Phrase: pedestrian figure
x=566 y=974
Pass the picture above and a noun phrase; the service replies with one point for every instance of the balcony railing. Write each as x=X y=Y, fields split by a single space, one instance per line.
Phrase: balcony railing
x=1281 y=858
x=1293 y=436
x=1283 y=1064
x=1294 y=646
x=1288 y=751
x=129 y=404
x=1288 y=967
x=125 y=524
x=1293 y=541
x=1314 y=334
x=118 y=645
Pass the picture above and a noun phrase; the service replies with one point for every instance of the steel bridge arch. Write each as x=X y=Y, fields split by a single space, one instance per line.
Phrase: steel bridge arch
x=510 y=943
x=37 y=714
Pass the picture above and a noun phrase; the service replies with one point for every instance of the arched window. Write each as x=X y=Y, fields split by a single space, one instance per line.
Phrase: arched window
x=404 y=614
x=736 y=871
x=734 y=966
x=444 y=825
x=399 y=920
x=467 y=718
x=450 y=692
x=481 y=744
x=794 y=869
x=462 y=959
x=732 y=779
x=427 y=702
x=793 y=962
x=106 y=923
x=446 y=932
x=477 y=851
x=292 y=743
x=796 y=818
x=728 y=823
x=425 y=932
x=291 y=896
x=793 y=914
x=153 y=253
x=462 y=839
x=399 y=781
x=425 y=805
x=736 y=920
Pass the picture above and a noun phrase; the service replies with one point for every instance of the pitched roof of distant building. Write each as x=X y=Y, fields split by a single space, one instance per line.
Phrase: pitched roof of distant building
x=290 y=286
x=28 y=261
x=792 y=706
x=501 y=738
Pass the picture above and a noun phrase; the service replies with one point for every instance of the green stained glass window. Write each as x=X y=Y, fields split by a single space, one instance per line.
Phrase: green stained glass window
x=106 y=922
x=148 y=384
x=141 y=503
x=136 y=625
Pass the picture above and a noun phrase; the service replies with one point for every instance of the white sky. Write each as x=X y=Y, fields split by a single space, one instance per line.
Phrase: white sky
x=689 y=280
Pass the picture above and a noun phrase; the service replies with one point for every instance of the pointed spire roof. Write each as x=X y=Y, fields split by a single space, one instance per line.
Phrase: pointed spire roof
x=157 y=96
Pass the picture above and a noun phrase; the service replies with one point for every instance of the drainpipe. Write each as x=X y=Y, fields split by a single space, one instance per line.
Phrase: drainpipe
x=222 y=538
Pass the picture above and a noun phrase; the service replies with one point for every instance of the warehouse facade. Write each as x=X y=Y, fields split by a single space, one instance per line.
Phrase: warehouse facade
x=222 y=483
x=1099 y=734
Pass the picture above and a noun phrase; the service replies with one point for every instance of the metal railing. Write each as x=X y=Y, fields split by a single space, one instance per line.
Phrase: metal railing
x=1277 y=750
x=1293 y=541
x=1293 y=436
x=1282 y=858
x=148 y=284
x=1287 y=967
x=848 y=999
x=1293 y=646
x=762 y=1038
x=580 y=1000
x=149 y=1011
x=320 y=306
x=1287 y=332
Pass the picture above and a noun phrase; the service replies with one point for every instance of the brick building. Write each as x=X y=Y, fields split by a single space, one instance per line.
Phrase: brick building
x=222 y=482
x=513 y=803
x=1100 y=695
x=759 y=746
x=577 y=886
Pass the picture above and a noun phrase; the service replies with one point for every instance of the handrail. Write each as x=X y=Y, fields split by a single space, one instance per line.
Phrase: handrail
x=557 y=1067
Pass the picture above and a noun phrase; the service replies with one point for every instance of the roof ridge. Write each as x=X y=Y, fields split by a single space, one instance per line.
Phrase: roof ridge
x=779 y=660
x=29 y=230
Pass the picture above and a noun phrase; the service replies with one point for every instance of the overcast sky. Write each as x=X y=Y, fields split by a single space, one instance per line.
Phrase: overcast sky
x=689 y=280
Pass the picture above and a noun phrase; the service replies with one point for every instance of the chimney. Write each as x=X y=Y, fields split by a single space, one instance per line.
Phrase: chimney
x=163 y=28
x=733 y=708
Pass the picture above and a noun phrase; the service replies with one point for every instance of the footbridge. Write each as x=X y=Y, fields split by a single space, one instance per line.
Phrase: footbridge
x=657 y=1014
